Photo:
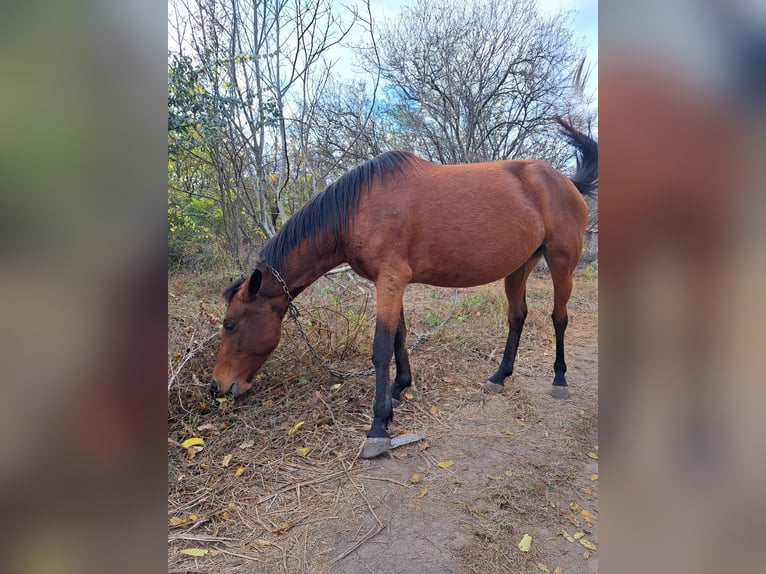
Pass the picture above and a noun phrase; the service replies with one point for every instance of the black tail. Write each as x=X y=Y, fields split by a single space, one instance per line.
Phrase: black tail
x=586 y=176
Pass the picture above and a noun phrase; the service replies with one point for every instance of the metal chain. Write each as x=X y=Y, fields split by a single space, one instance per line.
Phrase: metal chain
x=353 y=374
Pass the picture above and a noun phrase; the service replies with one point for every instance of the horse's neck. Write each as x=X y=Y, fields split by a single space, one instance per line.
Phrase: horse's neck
x=307 y=263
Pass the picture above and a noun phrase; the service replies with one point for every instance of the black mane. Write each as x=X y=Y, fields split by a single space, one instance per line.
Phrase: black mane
x=329 y=212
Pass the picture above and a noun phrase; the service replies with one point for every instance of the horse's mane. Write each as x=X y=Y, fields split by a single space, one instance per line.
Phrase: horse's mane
x=329 y=212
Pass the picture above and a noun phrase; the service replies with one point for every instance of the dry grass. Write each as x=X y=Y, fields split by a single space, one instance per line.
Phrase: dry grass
x=275 y=514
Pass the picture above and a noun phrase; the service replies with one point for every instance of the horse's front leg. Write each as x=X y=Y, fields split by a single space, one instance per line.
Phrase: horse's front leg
x=388 y=311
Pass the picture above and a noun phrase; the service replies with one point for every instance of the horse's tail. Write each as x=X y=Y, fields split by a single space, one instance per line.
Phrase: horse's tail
x=586 y=175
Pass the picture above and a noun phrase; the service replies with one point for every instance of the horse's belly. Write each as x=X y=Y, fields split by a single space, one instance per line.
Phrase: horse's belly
x=461 y=265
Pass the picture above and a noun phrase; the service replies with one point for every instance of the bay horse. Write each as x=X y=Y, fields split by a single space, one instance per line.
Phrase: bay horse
x=398 y=219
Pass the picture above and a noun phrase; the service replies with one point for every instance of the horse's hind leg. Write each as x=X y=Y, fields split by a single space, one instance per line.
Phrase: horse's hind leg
x=516 y=292
x=562 y=265
x=403 y=372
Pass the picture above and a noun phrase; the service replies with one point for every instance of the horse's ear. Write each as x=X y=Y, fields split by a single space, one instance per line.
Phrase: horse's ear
x=254 y=284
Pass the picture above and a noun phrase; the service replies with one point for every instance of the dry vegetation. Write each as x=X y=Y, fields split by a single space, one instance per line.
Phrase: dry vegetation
x=267 y=494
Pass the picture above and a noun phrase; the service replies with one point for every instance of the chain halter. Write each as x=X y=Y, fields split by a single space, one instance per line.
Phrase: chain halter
x=340 y=374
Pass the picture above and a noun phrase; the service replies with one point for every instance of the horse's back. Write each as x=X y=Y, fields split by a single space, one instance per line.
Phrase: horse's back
x=462 y=225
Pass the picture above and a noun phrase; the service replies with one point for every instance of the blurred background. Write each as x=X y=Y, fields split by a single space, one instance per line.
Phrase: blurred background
x=83 y=152
x=682 y=118
x=83 y=204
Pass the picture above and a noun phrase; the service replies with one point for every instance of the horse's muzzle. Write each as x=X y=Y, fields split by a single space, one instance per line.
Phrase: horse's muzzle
x=215 y=389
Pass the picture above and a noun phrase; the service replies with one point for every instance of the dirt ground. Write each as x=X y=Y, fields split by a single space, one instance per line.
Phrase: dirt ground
x=278 y=485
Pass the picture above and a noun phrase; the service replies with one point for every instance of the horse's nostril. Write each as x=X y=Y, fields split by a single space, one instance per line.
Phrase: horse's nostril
x=214 y=388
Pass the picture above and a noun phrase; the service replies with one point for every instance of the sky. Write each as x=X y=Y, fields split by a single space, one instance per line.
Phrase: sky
x=585 y=26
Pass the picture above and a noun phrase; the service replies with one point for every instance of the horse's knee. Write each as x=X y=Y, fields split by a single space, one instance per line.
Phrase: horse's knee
x=560 y=319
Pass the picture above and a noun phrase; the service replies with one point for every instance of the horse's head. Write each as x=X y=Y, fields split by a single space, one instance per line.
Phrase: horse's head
x=251 y=330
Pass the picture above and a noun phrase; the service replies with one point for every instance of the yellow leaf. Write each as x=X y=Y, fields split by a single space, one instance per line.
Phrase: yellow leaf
x=285 y=526
x=508 y=473
x=434 y=410
x=594 y=476
x=226 y=460
x=194 y=551
x=422 y=492
x=413 y=506
x=193 y=450
x=446 y=464
x=557 y=570
x=588 y=515
x=409 y=396
x=587 y=543
x=509 y=432
x=424 y=445
x=221 y=399
x=566 y=535
x=520 y=421
x=586 y=490
x=574 y=506
x=262 y=542
x=247 y=444
x=303 y=451
x=578 y=535
x=295 y=428
x=176 y=521
x=525 y=543
x=586 y=554
x=415 y=478
x=193 y=517
x=593 y=455
x=193 y=441
x=239 y=471
x=335 y=387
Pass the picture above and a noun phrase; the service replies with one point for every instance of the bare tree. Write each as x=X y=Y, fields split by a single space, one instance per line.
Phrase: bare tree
x=479 y=79
x=261 y=67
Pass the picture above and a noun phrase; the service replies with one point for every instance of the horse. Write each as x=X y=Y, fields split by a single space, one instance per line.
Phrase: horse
x=398 y=219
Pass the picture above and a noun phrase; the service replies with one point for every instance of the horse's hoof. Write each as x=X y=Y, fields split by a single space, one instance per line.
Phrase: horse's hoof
x=375 y=446
x=559 y=392
x=491 y=387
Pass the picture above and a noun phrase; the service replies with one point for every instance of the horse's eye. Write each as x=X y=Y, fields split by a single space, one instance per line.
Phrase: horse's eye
x=230 y=326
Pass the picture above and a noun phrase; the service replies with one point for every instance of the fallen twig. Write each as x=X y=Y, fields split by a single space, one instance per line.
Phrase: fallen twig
x=193 y=347
x=245 y=556
x=370 y=535
x=200 y=538
x=384 y=479
x=298 y=485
